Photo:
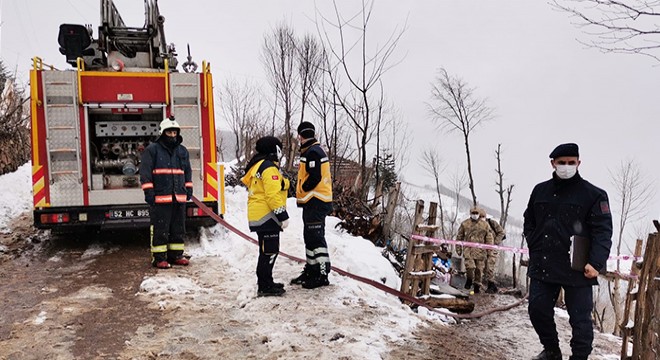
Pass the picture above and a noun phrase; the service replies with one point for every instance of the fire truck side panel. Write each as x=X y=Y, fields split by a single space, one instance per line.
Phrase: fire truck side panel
x=113 y=87
x=211 y=184
x=40 y=178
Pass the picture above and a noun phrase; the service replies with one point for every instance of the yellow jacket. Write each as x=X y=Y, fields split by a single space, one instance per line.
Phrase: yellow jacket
x=267 y=190
x=314 y=180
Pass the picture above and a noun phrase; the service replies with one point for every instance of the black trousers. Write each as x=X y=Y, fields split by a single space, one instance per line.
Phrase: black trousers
x=168 y=226
x=269 y=248
x=316 y=248
x=579 y=302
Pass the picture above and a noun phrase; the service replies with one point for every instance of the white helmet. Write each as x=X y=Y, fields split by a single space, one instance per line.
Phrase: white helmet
x=168 y=123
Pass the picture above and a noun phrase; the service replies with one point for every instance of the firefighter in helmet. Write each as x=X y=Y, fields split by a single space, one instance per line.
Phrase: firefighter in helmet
x=166 y=178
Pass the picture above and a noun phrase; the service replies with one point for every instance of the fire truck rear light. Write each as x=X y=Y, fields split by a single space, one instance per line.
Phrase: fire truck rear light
x=56 y=218
x=194 y=211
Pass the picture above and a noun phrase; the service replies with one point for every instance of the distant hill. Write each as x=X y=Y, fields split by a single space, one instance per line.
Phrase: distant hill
x=464 y=203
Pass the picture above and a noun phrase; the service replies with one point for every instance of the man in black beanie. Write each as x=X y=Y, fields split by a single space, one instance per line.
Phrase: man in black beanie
x=314 y=195
x=560 y=211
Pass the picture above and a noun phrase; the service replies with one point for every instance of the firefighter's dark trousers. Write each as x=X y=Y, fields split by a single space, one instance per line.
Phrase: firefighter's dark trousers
x=579 y=302
x=316 y=248
x=168 y=226
x=269 y=248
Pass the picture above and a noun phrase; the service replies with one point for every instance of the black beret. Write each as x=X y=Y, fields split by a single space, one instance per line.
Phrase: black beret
x=569 y=149
x=306 y=129
x=268 y=145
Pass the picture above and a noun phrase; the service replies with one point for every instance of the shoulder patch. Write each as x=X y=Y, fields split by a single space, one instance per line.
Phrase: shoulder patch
x=604 y=207
x=275 y=177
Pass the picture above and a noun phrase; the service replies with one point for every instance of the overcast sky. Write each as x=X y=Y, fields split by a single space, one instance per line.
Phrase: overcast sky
x=522 y=56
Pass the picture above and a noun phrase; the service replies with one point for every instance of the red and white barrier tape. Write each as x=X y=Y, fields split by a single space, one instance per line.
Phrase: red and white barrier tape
x=503 y=248
x=376 y=284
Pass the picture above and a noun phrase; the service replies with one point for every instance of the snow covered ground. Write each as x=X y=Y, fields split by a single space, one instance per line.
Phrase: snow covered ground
x=213 y=302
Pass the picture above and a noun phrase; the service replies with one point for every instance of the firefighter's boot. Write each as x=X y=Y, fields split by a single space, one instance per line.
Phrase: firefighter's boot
x=181 y=261
x=302 y=277
x=162 y=264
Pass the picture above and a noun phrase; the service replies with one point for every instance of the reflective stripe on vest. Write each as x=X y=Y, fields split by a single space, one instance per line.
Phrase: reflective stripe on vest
x=167 y=172
x=166 y=199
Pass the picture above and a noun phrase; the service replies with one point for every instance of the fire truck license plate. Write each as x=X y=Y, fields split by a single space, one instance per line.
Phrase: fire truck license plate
x=123 y=214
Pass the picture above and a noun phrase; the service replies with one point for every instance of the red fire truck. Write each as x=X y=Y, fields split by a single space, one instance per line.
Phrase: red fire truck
x=91 y=123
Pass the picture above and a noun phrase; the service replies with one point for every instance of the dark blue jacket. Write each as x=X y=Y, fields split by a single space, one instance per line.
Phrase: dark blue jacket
x=557 y=210
x=165 y=173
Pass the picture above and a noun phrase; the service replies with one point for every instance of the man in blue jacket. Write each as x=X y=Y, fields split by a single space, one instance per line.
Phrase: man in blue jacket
x=166 y=178
x=562 y=207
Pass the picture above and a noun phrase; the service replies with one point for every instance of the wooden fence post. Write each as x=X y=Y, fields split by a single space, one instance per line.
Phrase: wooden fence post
x=647 y=313
x=408 y=285
x=626 y=331
x=392 y=200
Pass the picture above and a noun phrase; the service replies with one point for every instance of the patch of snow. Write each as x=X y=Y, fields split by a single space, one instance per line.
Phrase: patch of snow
x=163 y=284
x=16 y=194
x=40 y=318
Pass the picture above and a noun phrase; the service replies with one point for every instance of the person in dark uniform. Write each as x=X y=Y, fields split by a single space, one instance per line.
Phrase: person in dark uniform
x=314 y=195
x=166 y=178
x=558 y=209
x=267 y=215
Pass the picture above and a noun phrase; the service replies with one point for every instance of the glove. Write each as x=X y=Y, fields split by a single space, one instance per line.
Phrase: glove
x=285 y=184
x=150 y=198
x=285 y=224
x=189 y=194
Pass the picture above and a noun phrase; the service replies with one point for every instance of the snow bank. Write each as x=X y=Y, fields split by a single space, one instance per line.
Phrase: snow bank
x=17 y=195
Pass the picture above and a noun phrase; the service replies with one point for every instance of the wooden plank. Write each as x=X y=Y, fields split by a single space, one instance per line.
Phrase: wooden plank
x=631 y=297
x=407 y=286
x=425 y=249
x=460 y=306
x=645 y=307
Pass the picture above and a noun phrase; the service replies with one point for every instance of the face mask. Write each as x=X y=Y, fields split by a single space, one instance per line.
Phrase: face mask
x=279 y=152
x=566 y=171
x=474 y=216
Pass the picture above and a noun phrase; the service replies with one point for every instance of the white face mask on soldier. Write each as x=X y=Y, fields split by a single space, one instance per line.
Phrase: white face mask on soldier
x=566 y=171
x=474 y=217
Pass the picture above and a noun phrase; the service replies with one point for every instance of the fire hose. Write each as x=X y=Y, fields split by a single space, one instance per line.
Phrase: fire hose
x=402 y=296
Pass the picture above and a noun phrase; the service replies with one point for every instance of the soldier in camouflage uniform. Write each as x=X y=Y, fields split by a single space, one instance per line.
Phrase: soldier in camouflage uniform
x=477 y=231
x=492 y=255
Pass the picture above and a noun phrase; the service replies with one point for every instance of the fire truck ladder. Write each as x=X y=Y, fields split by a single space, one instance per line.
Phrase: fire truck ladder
x=62 y=137
x=187 y=110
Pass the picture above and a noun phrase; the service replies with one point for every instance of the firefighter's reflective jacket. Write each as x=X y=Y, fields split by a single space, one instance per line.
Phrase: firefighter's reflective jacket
x=165 y=172
x=267 y=190
x=314 y=180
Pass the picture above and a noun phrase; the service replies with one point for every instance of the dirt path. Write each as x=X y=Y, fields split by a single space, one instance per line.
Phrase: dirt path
x=502 y=335
x=96 y=297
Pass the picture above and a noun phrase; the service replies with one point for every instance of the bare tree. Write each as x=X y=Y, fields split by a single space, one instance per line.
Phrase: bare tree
x=14 y=124
x=615 y=26
x=502 y=191
x=362 y=70
x=459 y=182
x=325 y=107
x=279 y=54
x=634 y=192
x=456 y=108
x=432 y=163
x=242 y=108
x=310 y=59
